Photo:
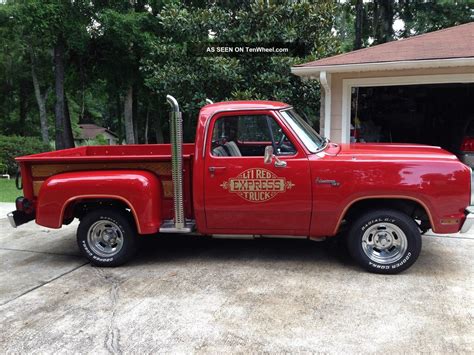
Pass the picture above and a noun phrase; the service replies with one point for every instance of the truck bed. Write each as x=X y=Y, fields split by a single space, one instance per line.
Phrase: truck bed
x=35 y=169
x=134 y=152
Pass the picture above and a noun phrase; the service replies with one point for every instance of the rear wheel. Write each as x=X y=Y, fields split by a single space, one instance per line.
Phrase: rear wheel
x=385 y=241
x=107 y=237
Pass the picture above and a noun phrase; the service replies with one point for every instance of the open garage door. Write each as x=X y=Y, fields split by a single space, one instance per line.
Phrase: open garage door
x=436 y=114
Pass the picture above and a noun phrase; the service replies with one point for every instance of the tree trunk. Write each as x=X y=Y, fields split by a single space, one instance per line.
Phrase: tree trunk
x=407 y=16
x=67 y=123
x=23 y=103
x=383 y=21
x=83 y=92
x=159 y=129
x=128 y=116
x=63 y=128
x=118 y=106
x=387 y=21
x=358 y=24
x=135 y=113
x=40 y=100
x=146 y=123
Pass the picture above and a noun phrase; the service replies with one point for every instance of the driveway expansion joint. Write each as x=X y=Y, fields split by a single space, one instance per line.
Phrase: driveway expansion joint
x=39 y=252
x=44 y=283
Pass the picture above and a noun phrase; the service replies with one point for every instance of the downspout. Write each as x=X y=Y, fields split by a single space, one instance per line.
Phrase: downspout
x=176 y=131
x=325 y=79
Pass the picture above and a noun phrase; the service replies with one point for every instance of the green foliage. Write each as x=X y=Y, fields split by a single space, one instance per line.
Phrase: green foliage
x=418 y=16
x=169 y=67
x=8 y=190
x=99 y=140
x=16 y=146
x=426 y=16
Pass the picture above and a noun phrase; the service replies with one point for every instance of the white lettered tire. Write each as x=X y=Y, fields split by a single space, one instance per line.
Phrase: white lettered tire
x=384 y=241
x=107 y=237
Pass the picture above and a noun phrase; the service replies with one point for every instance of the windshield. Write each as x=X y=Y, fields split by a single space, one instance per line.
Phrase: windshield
x=312 y=140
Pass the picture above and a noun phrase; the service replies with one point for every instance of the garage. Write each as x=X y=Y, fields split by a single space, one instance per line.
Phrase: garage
x=434 y=114
x=414 y=90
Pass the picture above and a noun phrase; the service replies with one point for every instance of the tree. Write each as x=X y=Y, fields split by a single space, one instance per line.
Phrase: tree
x=112 y=63
x=359 y=20
x=172 y=67
x=120 y=38
x=360 y=24
x=40 y=98
x=21 y=60
x=64 y=138
x=426 y=16
x=383 y=15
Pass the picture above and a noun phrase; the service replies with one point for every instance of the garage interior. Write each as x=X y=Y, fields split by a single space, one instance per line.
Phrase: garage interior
x=435 y=114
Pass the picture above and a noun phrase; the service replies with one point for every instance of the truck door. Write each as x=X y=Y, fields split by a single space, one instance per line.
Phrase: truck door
x=243 y=195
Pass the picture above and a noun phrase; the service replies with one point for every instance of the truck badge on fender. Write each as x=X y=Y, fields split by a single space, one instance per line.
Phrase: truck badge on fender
x=257 y=185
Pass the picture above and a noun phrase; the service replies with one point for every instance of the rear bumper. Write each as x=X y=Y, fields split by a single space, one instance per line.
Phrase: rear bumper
x=17 y=218
x=11 y=219
x=469 y=221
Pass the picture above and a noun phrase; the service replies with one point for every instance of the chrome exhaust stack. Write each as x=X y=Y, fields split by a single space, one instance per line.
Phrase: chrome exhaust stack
x=179 y=225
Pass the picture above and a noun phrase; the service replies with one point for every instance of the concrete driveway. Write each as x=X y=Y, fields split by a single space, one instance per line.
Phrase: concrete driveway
x=190 y=294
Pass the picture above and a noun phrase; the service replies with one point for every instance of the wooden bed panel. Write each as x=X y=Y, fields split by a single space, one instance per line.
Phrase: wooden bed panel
x=47 y=170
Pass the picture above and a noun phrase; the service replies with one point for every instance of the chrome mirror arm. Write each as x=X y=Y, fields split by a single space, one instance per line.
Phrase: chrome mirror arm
x=269 y=156
x=279 y=163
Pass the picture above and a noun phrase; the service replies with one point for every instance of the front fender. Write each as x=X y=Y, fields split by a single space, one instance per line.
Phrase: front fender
x=140 y=190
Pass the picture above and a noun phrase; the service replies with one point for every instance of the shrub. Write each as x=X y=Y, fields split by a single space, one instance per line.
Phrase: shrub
x=99 y=140
x=16 y=146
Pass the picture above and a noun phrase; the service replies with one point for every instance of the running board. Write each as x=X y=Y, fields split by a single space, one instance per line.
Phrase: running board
x=169 y=227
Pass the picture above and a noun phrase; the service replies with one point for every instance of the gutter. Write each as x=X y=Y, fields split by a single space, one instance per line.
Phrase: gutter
x=313 y=72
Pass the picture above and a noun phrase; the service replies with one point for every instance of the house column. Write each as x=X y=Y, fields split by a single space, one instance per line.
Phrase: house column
x=325 y=80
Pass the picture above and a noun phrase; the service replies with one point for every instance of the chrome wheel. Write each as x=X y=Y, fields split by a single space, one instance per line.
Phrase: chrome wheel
x=105 y=238
x=384 y=243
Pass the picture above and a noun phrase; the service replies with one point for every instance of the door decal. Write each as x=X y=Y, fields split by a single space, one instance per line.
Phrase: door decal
x=257 y=185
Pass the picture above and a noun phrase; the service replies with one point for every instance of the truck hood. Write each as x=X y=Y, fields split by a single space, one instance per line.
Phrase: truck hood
x=393 y=151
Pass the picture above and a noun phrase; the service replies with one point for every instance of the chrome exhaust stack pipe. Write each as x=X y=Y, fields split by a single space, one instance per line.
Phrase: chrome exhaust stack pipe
x=176 y=130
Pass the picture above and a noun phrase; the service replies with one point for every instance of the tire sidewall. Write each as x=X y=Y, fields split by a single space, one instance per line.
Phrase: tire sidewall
x=401 y=220
x=126 y=228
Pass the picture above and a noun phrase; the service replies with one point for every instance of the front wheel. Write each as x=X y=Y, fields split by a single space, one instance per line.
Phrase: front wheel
x=107 y=237
x=385 y=241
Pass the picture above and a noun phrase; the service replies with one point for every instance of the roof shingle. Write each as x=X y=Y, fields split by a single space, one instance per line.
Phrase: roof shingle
x=449 y=43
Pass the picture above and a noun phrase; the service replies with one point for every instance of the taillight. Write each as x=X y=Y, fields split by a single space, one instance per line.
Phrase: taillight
x=467 y=144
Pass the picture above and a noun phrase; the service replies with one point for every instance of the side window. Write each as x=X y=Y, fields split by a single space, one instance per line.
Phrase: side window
x=248 y=136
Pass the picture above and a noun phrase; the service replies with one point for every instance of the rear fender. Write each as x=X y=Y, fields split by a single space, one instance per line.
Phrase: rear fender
x=140 y=191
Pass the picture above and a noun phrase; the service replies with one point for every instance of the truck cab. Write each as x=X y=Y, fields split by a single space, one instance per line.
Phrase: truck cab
x=241 y=191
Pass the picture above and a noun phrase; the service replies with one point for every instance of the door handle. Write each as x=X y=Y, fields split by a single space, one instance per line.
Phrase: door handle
x=329 y=182
x=213 y=169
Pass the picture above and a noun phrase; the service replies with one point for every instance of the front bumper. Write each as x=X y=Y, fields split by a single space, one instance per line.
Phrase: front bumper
x=469 y=221
x=467 y=158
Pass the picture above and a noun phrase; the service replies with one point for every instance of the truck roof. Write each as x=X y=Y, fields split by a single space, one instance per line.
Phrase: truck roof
x=243 y=105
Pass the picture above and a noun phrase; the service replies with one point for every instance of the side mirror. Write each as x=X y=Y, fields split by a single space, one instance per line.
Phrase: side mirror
x=268 y=157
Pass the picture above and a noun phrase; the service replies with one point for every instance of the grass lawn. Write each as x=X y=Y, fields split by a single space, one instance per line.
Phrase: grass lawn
x=8 y=191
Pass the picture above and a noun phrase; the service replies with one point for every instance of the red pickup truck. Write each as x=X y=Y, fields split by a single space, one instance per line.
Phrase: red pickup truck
x=256 y=169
